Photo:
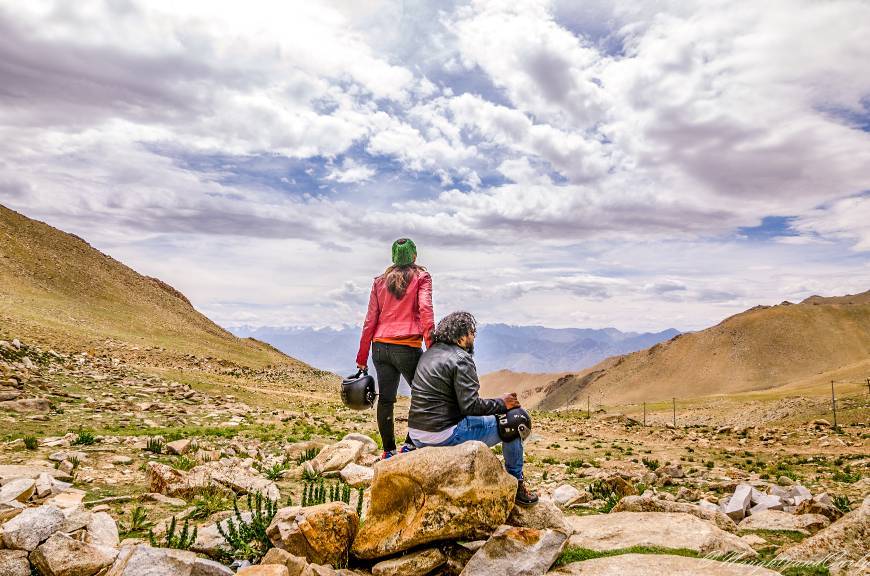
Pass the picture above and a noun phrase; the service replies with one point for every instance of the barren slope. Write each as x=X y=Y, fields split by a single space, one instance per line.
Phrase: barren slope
x=790 y=345
x=57 y=290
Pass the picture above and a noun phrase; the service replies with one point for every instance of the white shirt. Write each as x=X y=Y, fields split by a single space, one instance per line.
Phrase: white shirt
x=430 y=438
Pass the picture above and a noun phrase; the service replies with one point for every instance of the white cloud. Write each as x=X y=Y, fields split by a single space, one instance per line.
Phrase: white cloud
x=558 y=162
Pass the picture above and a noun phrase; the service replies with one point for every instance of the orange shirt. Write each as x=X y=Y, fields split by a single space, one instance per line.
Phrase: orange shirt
x=412 y=341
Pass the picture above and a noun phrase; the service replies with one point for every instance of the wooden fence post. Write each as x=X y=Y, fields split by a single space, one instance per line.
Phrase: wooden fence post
x=834 y=404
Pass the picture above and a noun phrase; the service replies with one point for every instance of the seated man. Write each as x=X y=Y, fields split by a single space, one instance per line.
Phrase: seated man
x=446 y=409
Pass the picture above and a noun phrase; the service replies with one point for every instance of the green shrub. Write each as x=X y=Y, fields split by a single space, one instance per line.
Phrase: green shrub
x=85 y=438
x=275 y=471
x=183 y=463
x=154 y=445
x=181 y=541
x=846 y=475
x=30 y=442
x=841 y=503
x=138 y=521
x=208 y=502
x=247 y=540
x=651 y=463
x=309 y=454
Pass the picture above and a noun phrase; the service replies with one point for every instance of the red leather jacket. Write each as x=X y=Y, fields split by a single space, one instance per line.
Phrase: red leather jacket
x=389 y=317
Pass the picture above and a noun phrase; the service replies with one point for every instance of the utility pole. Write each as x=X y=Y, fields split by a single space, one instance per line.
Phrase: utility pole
x=644 y=413
x=868 y=385
x=674 y=400
x=588 y=413
x=834 y=404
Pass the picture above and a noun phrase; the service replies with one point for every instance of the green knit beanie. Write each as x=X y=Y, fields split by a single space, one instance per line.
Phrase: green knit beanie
x=404 y=252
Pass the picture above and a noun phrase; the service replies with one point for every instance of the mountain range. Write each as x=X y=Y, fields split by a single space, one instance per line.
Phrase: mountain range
x=497 y=347
x=794 y=348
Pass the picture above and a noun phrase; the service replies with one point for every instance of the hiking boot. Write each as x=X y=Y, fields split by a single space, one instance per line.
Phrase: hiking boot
x=387 y=454
x=407 y=448
x=525 y=497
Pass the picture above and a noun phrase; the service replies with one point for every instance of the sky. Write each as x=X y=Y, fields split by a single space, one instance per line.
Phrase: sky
x=641 y=165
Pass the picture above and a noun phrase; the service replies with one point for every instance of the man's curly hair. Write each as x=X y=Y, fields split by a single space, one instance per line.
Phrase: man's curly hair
x=453 y=327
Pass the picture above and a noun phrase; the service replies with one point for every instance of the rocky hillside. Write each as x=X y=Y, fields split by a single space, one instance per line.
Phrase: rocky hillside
x=106 y=467
x=802 y=346
x=60 y=292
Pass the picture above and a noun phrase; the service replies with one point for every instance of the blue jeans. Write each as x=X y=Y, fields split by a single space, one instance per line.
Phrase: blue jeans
x=485 y=429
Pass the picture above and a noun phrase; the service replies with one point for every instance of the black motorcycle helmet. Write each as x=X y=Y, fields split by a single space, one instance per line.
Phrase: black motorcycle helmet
x=358 y=391
x=515 y=424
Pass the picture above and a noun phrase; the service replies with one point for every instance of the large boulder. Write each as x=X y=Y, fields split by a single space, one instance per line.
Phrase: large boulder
x=652 y=504
x=659 y=564
x=777 y=520
x=512 y=551
x=543 y=515
x=32 y=527
x=845 y=540
x=230 y=474
x=336 y=456
x=658 y=529
x=417 y=563
x=322 y=534
x=61 y=555
x=432 y=494
x=143 y=560
x=14 y=563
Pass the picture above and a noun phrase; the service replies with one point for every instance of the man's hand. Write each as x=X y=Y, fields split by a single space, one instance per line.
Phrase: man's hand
x=362 y=366
x=511 y=401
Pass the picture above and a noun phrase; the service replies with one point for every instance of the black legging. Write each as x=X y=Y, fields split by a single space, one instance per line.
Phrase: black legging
x=392 y=361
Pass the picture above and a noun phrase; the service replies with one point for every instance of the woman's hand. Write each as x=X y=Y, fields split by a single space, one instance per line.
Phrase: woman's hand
x=362 y=367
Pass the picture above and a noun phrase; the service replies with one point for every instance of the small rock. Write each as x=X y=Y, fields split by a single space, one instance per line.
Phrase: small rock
x=778 y=520
x=14 y=563
x=514 y=551
x=417 y=563
x=565 y=495
x=264 y=570
x=102 y=530
x=20 y=489
x=738 y=504
x=178 y=446
x=543 y=515
x=357 y=476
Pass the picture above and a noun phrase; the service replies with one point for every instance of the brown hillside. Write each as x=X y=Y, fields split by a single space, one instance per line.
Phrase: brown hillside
x=529 y=386
x=58 y=290
x=765 y=347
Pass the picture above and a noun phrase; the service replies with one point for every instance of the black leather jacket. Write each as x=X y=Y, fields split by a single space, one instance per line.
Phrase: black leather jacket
x=445 y=390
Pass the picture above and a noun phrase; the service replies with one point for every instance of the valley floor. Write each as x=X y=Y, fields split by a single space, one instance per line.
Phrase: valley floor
x=95 y=414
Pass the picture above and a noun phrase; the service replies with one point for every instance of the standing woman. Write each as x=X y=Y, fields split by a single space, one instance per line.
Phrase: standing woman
x=399 y=320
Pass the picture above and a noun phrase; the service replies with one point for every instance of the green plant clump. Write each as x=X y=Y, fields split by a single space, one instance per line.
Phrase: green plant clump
x=30 y=442
x=154 y=445
x=138 y=521
x=247 y=540
x=85 y=438
x=180 y=541
x=651 y=463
